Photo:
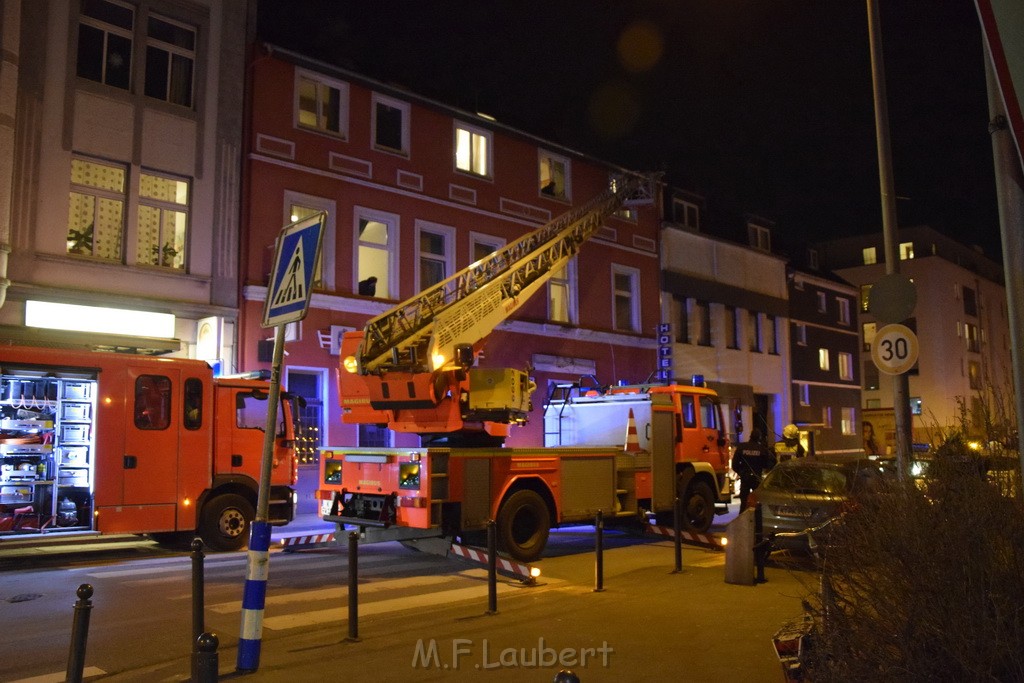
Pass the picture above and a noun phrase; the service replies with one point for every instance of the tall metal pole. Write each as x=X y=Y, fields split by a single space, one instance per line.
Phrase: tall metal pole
x=1010 y=198
x=890 y=236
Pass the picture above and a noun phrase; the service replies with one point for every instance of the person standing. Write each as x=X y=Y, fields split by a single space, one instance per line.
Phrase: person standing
x=750 y=461
x=790 y=446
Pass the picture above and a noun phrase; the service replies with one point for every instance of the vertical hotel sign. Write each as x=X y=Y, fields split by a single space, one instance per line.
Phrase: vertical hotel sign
x=665 y=351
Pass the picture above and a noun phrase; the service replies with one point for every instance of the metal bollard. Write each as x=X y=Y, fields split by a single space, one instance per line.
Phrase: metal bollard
x=677 y=524
x=599 y=552
x=492 y=567
x=79 y=634
x=353 y=585
x=760 y=544
x=566 y=676
x=198 y=592
x=205 y=660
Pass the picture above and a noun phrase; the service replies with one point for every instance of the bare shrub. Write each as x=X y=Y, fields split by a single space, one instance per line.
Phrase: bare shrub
x=924 y=582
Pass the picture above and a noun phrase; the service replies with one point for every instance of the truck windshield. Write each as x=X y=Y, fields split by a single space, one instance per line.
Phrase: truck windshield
x=251 y=411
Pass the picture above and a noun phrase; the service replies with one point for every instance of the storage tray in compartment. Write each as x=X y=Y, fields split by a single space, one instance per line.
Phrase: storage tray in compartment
x=11 y=495
x=9 y=449
x=77 y=391
x=74 y=411
x=74 y=456
x=75 y=433
x=78 y=477
x=26 y=425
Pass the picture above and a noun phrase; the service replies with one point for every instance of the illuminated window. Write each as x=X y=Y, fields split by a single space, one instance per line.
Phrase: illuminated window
x=865 y=297
x=96 y=212
x=971 y=337
x=321 y=103
x=823 y=361
x=390 y=124
x=870 y=256
x=906 y=251
x=562 y=294
x=848 y=421
x=974 y=374
x=868 y=331
x=473 y=150
x=162 y=231
x=105 y=42
x=170 y=60
x=845 y=361
x=554 y=176
x=625 y=298
x=376 y=254
x=435 y=254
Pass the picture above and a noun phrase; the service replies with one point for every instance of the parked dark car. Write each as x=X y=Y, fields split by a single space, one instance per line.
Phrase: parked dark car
x=800 y=498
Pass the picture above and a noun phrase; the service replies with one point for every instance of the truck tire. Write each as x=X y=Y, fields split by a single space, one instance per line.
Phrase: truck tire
x=523 y=524
x=698 y=507
x=225 y=522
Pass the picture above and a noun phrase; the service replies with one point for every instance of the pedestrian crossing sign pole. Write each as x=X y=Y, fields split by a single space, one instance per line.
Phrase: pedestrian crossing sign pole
x=290 y=287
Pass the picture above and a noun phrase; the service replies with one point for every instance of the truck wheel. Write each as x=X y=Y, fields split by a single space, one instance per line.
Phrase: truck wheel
x=698 y=507
x=225 y=521
x=523 y=524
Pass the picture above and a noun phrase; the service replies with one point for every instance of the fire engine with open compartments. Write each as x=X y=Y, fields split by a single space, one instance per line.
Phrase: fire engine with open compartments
x=627 y=451
x=98 y=442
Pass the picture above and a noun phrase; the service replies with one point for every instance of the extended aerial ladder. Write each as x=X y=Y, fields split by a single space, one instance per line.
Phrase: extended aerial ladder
x=411 y=367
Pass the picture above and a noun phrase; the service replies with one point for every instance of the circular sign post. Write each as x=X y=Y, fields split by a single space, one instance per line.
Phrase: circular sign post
x=894 y=349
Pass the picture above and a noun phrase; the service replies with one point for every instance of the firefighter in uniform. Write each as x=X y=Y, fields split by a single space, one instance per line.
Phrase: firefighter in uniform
x=790 y=446
x=750 y=461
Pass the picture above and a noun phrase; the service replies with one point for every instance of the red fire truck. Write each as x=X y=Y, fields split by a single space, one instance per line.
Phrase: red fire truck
x=96 y=442
x=413 y=369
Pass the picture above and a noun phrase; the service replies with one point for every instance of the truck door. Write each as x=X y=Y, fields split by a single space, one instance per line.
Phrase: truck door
x=151 y=443
x=712 y=430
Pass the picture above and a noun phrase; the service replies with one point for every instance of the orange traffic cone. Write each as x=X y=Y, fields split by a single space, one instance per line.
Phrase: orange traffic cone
x=632 y=440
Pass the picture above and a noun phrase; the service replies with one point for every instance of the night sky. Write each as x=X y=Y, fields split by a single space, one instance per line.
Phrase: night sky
x=760 y=106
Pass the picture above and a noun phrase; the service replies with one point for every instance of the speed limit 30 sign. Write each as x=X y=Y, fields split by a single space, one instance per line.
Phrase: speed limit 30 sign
x=894 y=349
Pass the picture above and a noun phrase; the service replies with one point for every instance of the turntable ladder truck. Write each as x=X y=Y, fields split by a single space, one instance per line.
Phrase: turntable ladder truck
x=413 y=370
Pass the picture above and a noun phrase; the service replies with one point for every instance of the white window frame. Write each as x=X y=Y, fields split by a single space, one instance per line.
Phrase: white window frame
x=172 y=51
x=553 y=159
x=848 y=421
x=571 y=294
x=378 y=99
x=760 y=237
x=327 y=248
x=447 y=258
x=107 y=29
x=471 y=167
x=844 y=310
x=320 y=82
x=169 y=207
x=634 y=293
x=801 y=334
x=682 y=209
x=804 y=390
x=394 y=230
x=97 y=194
x=475 y=238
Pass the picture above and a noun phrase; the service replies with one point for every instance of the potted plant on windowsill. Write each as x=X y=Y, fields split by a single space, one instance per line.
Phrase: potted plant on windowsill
x=80 y=241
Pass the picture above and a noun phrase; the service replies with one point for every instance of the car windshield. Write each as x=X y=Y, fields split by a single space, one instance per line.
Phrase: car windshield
x=803 y=479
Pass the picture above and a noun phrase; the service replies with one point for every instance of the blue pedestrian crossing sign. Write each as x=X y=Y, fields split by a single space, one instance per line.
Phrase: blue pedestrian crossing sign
x=291 y=278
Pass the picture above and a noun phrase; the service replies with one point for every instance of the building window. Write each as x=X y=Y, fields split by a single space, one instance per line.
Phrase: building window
x=826 y=417
x=686 y=214
x=170 y=60
x=321 y=104
x=870 y=256
x=970 y=302
x=732 y=324
x=700 y=313
x=760 y=237
x=754 y=330
x=848 y=421
x=105 y=42
x=870 y=375
x=906 y=251
x=771 y=331
x=96 y=212
x=844 y=310
x=800 y=330
x=974 y=374
x=554 y=176
x=481 y=246
x=971 y=337
x=436 y=260
x=390 y=124
x=626 y=298
x=376 y=254
x=823 y=360
x=873 y=403
x=868 y=331
x=473 y=150
x=163 y=221
x=562 y=294
x=865 y=297
x=626 y=212
x=805 y=393
x=300 y=206
x=845 y=365
x=683 y=326
x=822 y=302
